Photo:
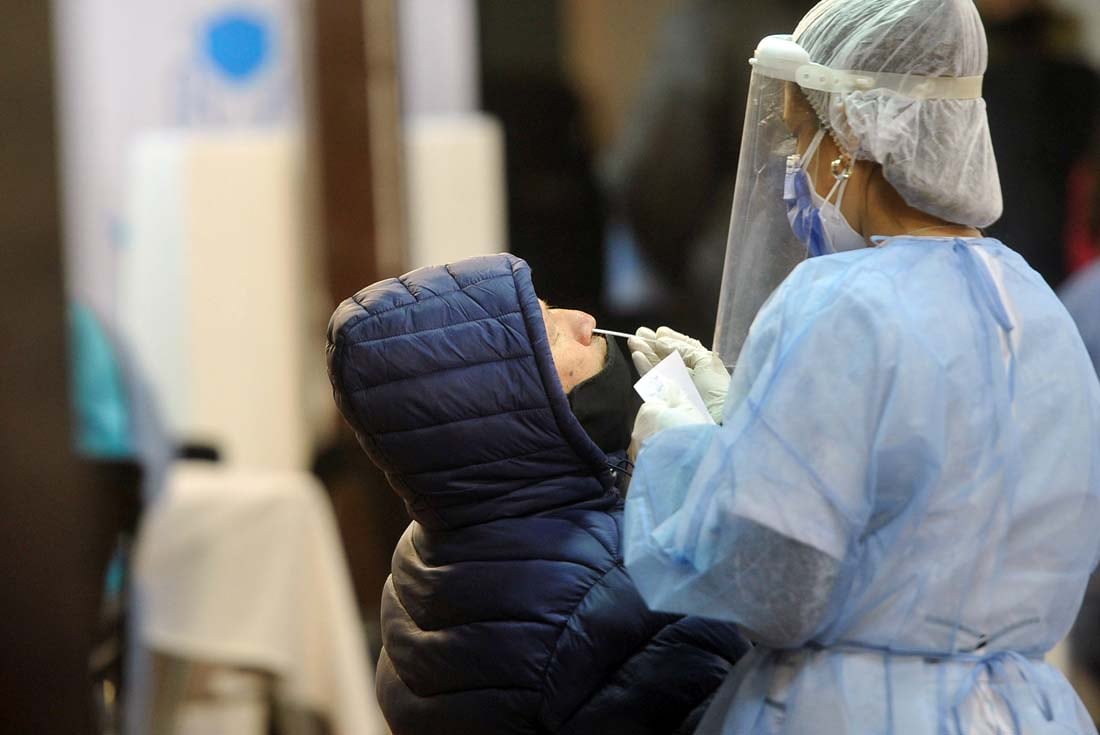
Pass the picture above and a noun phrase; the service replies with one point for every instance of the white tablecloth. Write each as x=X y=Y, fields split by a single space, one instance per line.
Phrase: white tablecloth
x=245 y=568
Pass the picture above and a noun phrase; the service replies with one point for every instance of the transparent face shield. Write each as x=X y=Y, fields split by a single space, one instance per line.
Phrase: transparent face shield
x=761 y=249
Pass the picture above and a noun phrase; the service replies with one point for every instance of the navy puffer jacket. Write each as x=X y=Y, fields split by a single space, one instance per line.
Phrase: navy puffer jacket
x=508 y=609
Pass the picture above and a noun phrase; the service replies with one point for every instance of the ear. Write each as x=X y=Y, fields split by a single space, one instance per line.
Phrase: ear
x=798 y=114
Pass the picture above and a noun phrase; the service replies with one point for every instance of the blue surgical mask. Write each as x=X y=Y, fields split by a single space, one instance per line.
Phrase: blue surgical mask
x=815 y=220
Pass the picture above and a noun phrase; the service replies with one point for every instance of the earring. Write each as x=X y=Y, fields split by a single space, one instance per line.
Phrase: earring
x=842 y=167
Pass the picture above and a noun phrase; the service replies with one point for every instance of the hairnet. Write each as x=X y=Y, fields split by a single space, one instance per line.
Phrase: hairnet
x=937 y=153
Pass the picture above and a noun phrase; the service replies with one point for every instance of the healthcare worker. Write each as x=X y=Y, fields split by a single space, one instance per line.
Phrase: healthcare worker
x=900 y=500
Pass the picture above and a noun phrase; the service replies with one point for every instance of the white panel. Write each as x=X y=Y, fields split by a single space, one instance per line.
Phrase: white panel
x=438 y=56
x=152 y=273
x=244 y=236
x=456 y=188
x=219 y=295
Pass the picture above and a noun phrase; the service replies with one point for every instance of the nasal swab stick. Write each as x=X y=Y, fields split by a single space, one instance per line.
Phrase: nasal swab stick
x=624 y=335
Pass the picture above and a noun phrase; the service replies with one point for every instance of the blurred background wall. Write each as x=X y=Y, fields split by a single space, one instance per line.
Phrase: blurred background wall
x=1087 y=14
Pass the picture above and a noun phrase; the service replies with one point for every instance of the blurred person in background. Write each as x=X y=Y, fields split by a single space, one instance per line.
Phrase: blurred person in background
x=1085 y=649
x=899 y=492
x=1083 y=216
x=105 y=436
x=1081 y=295
x=671 y=175
x=1033 y=56
x=503 y=424
x=1044 y=107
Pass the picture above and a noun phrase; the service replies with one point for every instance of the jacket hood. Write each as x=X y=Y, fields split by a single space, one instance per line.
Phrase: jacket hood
x=446 y=376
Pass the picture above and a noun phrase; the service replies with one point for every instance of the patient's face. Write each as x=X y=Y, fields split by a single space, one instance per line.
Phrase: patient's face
x=578 y=354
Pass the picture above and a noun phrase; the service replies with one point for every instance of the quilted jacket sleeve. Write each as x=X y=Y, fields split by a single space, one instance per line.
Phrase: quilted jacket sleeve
x=620 y=668
x=665 y=686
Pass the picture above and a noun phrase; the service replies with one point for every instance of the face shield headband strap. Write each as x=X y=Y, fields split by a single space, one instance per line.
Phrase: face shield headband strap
x=780 y=57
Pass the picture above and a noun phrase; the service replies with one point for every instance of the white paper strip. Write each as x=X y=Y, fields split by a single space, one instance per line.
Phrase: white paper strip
x=669 y=376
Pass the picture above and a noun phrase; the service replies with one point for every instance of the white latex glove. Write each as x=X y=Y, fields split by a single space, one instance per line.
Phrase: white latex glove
x=706 y=368
x=641 y=350
x=656 y=415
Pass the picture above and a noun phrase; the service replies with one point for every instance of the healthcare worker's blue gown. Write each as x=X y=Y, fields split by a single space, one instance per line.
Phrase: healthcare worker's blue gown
x=902 y=503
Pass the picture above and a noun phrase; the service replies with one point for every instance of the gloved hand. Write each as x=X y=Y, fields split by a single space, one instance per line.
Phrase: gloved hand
x=657 y=414
x=708 y=372
x=641 y=350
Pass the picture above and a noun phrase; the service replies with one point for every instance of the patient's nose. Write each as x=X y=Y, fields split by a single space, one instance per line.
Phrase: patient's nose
x=579 y=324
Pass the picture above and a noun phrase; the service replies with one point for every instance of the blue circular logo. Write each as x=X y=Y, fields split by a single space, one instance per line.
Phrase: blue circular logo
x=239 y=44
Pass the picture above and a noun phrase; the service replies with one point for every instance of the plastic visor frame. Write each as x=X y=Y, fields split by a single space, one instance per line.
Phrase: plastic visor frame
x=780 y=57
